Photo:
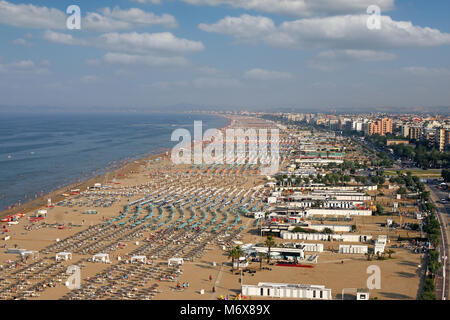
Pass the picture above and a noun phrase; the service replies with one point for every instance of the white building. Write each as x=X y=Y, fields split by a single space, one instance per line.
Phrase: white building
x=348 y=248
x=286 y=290
x=63 y=256
x=334 y=227
x=101 y=257
x=324 y=236
x=337 y=212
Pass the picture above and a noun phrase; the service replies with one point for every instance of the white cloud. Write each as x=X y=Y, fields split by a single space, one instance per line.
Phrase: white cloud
x=138 y=16
x=166 y=85
x=23 y=64
x=63 y=38
x=21 y=42
x=332 y=60
x=146 y=60
x=427 y=72
x=359 y=55
x=131 y=42
x=148 y=1
x=31 y=16
x=261 y=74
x=301 y=8
x=243 y=27
x=90 y=79
x=23 y=67
x=216 y=83
x=210 y=71
x=339 y=32
x=144 y=42
x=94 y=21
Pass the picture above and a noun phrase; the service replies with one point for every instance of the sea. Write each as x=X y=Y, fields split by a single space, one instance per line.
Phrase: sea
x=40 y=153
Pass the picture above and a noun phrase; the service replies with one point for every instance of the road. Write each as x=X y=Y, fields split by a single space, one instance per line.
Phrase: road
x=443 y=214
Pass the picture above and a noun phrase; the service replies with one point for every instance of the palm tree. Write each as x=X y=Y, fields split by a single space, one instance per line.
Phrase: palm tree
x=235 y=253
x=269 y=243
x=261 y=256
x=239 y=252
x=232 y=255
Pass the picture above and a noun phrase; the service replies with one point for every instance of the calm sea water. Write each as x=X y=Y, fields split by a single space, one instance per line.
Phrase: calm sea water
x=40 y=153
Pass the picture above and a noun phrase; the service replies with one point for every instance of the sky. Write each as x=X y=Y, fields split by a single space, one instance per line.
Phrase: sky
x=247 y=54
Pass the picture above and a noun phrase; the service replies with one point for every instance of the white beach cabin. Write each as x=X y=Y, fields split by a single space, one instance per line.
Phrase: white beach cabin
x=101 y=257
x=287 y=290
x=176 y=261
x=29 y=253
x=142 y=259
x=63 y=256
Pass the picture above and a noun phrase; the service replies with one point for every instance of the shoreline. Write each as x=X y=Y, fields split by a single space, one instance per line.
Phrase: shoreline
x=119 y=173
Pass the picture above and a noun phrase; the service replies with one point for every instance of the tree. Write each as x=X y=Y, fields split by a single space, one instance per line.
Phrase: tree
x=446 y=175
x=328 y=231
x=380 y=209
x=425 y=195
x=235 y=253
x=269 y=243
x=261 y=256
x=390 y=252
x=435 y=239
x=401 y=190
x=428 y=295
x=232 y=255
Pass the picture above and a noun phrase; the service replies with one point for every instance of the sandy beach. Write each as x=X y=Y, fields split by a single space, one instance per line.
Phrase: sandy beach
x=156 y=210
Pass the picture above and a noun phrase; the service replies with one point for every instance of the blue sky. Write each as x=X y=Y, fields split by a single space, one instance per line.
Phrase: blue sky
x=232 y=53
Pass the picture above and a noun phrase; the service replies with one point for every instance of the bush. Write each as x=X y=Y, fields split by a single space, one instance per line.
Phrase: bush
x=304 y=230
x=428 y=295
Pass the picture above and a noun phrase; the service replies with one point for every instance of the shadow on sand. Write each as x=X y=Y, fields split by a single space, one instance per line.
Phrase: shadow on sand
x=406 y=274
x=397 y=296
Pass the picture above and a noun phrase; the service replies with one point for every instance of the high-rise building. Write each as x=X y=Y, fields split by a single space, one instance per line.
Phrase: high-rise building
x=415 y=133
x=442 y=138
x=405 y=130
x=381 y=127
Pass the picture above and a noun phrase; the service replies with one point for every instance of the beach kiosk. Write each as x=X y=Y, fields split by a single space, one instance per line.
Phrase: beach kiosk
x=362 y=294
x=41 y=213
x=142 y=259
x=63 y=256
x=101 y=257
x=241 y=263
x=29 y=253
x=176 y=261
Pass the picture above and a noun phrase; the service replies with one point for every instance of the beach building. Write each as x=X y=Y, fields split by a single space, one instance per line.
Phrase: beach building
x=141 y=259
x=317 y=162
x=287 y=290
x=348 y=248
x=362 y=294
x=175 y=261
x=337 y=212
x=63 y=256
x=324 y=236
x=334 y=227
x=101 y=257
x=380 y=244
